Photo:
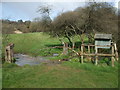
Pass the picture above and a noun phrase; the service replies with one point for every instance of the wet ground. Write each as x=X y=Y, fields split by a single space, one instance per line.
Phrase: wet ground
x=22 y=59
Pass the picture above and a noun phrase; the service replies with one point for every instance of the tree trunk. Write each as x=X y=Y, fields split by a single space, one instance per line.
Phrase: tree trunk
x=82 y=38
x=69 y=40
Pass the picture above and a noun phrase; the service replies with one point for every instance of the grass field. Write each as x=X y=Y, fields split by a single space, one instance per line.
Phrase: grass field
x=31 y=43
x=66 y=75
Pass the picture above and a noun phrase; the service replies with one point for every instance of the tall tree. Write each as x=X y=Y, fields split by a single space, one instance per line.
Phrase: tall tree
x=45 y=11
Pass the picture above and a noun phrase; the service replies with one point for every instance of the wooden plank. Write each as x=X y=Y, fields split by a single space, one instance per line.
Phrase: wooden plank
x=98 y=54
x=98 y=45
x=103 y=44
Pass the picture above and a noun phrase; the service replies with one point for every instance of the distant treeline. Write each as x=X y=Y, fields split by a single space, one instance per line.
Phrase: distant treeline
x=8 y=27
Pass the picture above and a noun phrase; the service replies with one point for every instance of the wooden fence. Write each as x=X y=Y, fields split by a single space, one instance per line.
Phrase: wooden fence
x=113 y=55
x=96 y=54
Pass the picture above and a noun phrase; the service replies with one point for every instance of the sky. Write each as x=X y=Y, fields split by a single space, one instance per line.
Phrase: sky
x=27 y=10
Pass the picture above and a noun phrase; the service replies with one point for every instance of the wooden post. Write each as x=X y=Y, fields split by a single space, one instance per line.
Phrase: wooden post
x=66 y=45
x=6 y=54
x=88 y=49
x=9 y=56
x=116 y=52
x=9 y=53
x=96 y=57
x=65 y=48
x=82 y=53
x=12 y=56
x=112 y=58
x=73 y=45
x=89 y=53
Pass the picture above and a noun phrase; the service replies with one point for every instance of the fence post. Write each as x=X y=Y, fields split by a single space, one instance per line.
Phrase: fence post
x=96 y=57
x=89 y=52
x=65 y=48
x=112 y=58
x=82 y=53
x=9 y=53
x=116 y=51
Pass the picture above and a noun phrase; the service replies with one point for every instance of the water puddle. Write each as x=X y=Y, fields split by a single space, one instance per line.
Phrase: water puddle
x=22 y=59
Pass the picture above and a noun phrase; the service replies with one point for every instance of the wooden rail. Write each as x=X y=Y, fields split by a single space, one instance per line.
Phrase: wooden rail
x=97 y=45
x=113 y=55
x=98 y=54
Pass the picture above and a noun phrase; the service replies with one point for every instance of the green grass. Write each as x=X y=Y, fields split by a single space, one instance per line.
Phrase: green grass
x=66 y=75
x=32 y=43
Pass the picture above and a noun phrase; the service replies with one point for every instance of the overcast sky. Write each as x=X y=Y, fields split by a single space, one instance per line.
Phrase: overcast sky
x=27 y=10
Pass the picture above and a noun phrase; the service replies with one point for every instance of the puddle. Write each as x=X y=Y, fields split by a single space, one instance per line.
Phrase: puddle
x=22 y=59
x=55 y=54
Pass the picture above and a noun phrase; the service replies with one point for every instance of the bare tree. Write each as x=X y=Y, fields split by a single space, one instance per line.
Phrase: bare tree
x=46 y=20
